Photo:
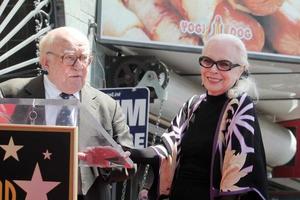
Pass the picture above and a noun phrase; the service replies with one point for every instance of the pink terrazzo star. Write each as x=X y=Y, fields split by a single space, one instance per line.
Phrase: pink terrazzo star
x=36 y=188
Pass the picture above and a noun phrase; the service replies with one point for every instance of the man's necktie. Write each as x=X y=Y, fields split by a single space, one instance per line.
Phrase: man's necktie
x=64 y=115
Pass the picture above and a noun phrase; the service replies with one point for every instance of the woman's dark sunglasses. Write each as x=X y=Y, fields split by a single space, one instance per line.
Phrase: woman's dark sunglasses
x=222 y=65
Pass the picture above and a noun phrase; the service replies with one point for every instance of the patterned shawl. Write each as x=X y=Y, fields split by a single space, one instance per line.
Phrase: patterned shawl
x=238 y=163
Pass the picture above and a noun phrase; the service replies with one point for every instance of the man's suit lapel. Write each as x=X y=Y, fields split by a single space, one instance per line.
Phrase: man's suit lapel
x=88 y=100
x=88 y=174
x=35 y=88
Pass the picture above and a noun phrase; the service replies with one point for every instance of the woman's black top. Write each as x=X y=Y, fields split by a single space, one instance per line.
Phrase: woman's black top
x=192 y=177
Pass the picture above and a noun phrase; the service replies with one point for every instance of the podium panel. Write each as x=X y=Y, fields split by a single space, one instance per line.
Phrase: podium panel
x=38 y=162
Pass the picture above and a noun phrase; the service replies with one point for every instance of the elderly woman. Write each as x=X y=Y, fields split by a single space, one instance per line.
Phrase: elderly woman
x=213 y=149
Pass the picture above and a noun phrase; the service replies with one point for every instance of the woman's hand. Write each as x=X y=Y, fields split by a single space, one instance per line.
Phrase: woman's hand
x=104 y=157
x=143 y=194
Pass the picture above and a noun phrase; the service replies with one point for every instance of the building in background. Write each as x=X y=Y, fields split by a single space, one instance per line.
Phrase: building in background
x=130 y=42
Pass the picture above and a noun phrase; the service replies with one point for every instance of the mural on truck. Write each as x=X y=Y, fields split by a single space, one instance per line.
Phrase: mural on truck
x=267 y=27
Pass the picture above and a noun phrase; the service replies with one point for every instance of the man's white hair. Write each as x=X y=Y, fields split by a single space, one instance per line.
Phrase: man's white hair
x=49 y=39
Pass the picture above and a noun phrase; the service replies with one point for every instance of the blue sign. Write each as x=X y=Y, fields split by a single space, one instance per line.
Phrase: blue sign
x=135 y=105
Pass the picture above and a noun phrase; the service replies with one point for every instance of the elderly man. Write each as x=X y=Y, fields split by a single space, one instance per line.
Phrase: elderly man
x=65 y=55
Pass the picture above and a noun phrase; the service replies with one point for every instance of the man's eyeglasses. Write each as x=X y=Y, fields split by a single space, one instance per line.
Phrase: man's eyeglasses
x=70 y=59
x=222 y=65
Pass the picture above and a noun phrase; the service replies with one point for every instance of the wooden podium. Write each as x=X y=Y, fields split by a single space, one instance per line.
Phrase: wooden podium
x=38 y=153
x=37 y=161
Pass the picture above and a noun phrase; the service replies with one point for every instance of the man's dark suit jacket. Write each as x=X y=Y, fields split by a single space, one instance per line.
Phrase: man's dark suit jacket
x=95 y=183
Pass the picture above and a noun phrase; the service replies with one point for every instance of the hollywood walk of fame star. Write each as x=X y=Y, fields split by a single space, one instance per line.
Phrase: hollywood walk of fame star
x=11 y=149
x=36 y=188
x=47 y=155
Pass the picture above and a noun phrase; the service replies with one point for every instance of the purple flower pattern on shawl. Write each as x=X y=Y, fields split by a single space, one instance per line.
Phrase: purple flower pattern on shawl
x=233 y=162
x=232 y=157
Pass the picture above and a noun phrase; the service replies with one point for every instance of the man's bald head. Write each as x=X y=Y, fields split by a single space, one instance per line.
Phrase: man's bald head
x=65 y=55
x=61 y=34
